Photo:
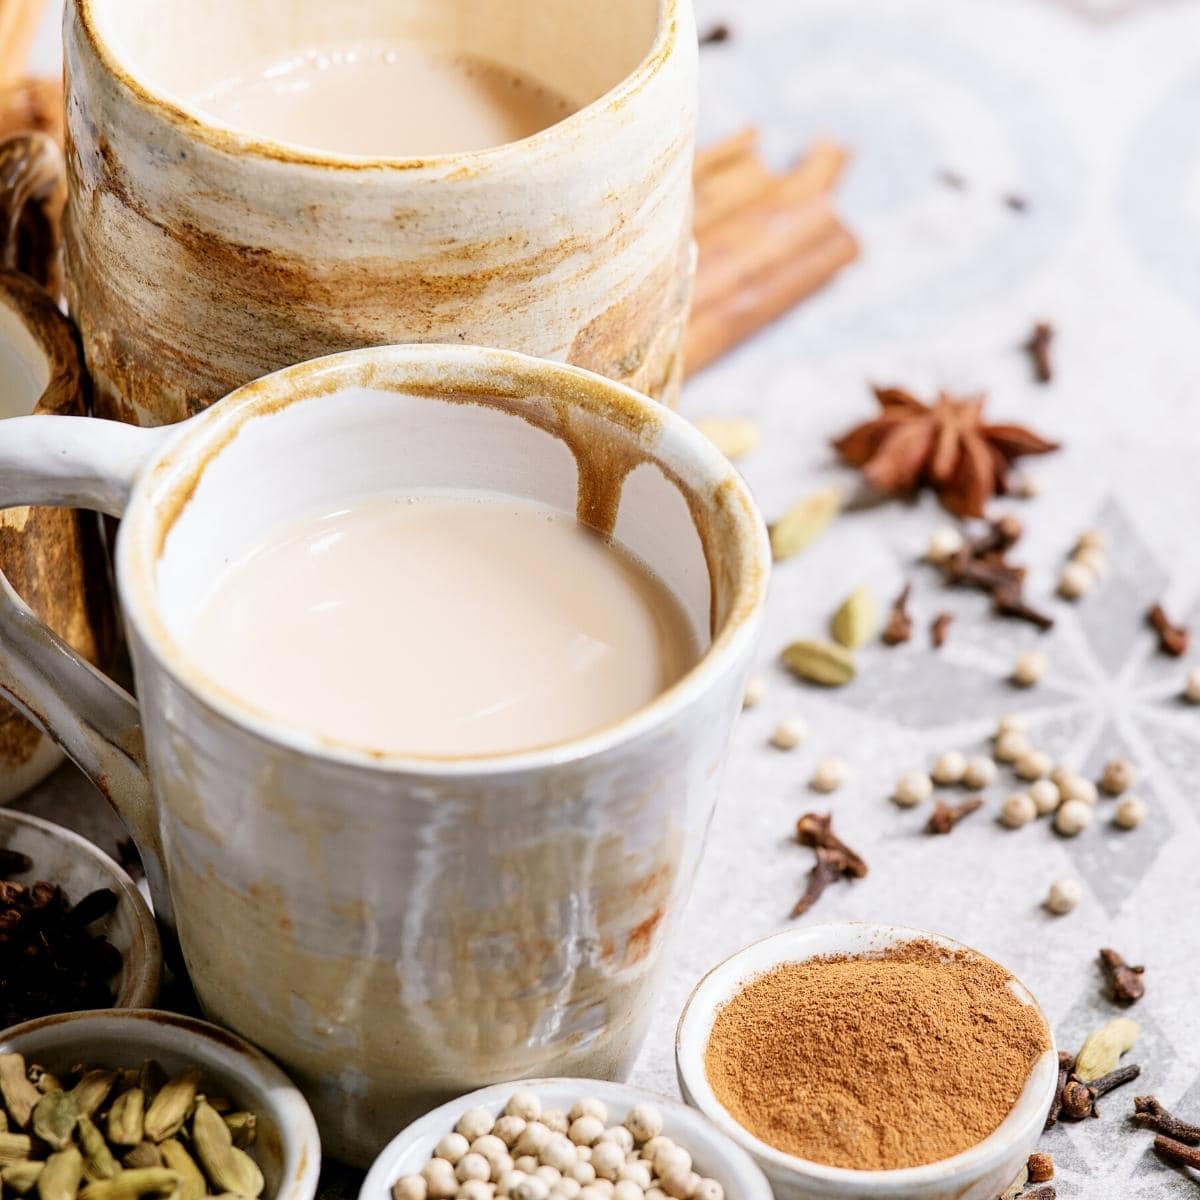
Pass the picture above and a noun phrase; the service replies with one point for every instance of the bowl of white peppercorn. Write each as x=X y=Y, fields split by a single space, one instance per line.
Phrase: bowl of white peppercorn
x=563 y=1139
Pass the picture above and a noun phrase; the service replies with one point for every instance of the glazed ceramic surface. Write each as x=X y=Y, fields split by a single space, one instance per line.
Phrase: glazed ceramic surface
x=79 y=868
x=286 y=1146
x=981 y=1173
x=200 y=258
x=396 y=930
x=714 y=1155
x=52 y=557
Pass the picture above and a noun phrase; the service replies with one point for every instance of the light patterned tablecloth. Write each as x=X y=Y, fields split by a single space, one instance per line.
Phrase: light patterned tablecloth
x=1091 y=110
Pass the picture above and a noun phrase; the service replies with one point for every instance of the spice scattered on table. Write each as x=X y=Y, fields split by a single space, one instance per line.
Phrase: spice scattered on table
x=946 y=446
x=1191 y=687
x=1073 y=817
x=1018 y=810
x=1037 y=346
x=716 y=35
x=1130 y=812
x=939 y=629
x=1086 y=564
x=856 y=620
x=899 y=625
x=1064 y=896
x=1153 y=1115
x=1127 y=983
x=1118 y=775
x=835 y=860
x=51 y=960
x=1017 y=202
x=1104 y=1048
x=829 y=774
x=107 y=1134
x=828 y=664
x=1030 y=668
x=789 y=734
x=946 y=816
x=1172 y=639
x=531 y=1153
x=949 y=768
x=756 y=691
x=913 y=788
x=804 y=522
x=895 y=1037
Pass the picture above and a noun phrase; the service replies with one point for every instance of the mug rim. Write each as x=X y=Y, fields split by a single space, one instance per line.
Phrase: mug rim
x=229 y=139
x=175 y=468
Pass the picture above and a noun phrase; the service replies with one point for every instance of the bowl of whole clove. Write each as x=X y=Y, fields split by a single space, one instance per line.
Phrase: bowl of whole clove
x=75 y=932
x=122 y=1104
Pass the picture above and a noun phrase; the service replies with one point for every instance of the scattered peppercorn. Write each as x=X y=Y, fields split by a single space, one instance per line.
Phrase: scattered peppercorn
x=1064 y=896
x=1030 y=668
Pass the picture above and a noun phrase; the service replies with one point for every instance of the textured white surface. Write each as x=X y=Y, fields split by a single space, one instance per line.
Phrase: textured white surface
x=1088 y=109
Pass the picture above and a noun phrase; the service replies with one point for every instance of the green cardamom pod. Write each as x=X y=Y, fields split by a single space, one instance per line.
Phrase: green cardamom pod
x=144 y=1154
x=1103 y=1048
x=192 y=1185
x=821 y=662
x=14 y=1148
x=92 y=1090
x=857 y=619
x=220 y=1103
x=60 y=1176
x=170 y=1108
x=229 y=1169
x=54 y=1118
x=804 y=522
x=133 y=1185
x=151 y=1079
x=3 y=1121
x=21 y=1177
x=243 y=1126
x=98 y=1160
x=126 y=1118
x=19 y=1094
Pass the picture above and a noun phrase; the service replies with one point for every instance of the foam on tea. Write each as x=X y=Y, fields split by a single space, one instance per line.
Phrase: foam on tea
x=401 y=100
x=442 y=624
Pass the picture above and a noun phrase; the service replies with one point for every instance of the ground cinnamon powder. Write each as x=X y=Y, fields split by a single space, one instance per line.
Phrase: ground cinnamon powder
x=874 y=1062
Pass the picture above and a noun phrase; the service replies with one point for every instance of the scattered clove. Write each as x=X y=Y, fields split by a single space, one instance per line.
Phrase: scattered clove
x=1172 y=639
x=1066 y=1064
x=835 y=860
x=716 y=35
x=1016 y=202
x=899 y=626
x=982 y=564
x=1079 y=1098
x=1152 y=1114
x=1128 y=984
x=946 y=816
x=1037 y=346
x=1188 y=1156
x=940 y=629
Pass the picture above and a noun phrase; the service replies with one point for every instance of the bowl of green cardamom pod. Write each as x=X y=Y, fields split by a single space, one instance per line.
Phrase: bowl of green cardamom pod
x=137 y=1104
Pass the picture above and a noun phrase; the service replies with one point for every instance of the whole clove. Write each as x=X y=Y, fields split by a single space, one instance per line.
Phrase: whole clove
x=1152 y=1114
x=1172 y=639
x=1079 y=1098
x=835 y=860
x=1066 y=1064
x=983 y=564
x=1038 y=348
x=1187 y=1156
x=946 y=816
x=1128 y=983
x=939 y=630
x=899 y=625
x=1016 y=202
x=716 y=35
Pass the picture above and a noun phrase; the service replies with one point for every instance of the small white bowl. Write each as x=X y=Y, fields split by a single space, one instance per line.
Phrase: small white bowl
x=79 y=868
x=980 y=1173
x=713 y=1154
x=287 y=1147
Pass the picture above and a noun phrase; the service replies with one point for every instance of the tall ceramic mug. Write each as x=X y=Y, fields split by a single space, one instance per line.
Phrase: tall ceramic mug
x=200 y=258
x=396 y=930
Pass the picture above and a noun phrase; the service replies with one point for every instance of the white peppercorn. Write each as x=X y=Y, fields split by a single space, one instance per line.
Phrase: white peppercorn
x=644 y=1122
x=452 y=1147
x=565 y=1189
x=589 y=1106
x=475 y=1189
x=1074 y=787
x=709 y=1189
x=410 y=1187
x=526 y=1164
x=534 y=1138
x=560 y=1152
x=548 y=1174
x=1075 y=580
x=555 y=1121
x=980 y=773
x=507 y=1180
x=1010 y=746
x=912 y=788
x=637 y=1172
x=1130 y=812
x=679 y=1184
x=620 y=1135
x=1010 y=723
x=1073 y=817
x=490 y=1147
x=1063 y=896
x=949 y=768
x=1119 y=776
x=580 y=1171
x=474 y=1123
x=1045 y=796
x=1091 y=557
x=584 y=1152
x=585 y=1131
x=672 y=1158
x=501 y=1164
x=439 y=1179
x=1018 y=809
x=944 y=543
x=1191 y=689
x=473 y=1166
x=789 y=734
x=607 y=1160
x=592 y=1192
x=1034 y=764
x=829 y=775
x=655 y=1193
x=509 y=1128
x=756 y=691
x=525 y=1105
x=1091 y=539
x=628 y=1190
x=1030 y=668
x=655 y=1145
x=530 y=1188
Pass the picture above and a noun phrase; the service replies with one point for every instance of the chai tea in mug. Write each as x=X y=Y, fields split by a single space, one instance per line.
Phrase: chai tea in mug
x=442 y=624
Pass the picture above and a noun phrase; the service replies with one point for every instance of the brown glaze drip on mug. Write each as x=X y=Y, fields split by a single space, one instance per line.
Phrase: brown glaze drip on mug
x=33 y=192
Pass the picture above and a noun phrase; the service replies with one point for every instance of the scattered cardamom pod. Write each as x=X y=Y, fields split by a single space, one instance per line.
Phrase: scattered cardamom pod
x=18 y=1093
x=733 y=436
x=98 y=1160
x=133 y=1185
x=14 y=1148
x=821 y=662
x=21 y=1177
x=1102 y=1050
x=59 y=1179
x=243 y=1126
x=192 y=1185
x=144 y=1154
x=170 y=1108
x=126 y=1118
x=54 y=1118
x=230 y=1169
x=857 y=619
x=92 y=1090
x=804 y=522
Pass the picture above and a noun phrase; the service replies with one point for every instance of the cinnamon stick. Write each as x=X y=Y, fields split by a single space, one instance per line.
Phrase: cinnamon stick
x=720 y=192
x=18 y=27
x=718 y=327
x=721 y=154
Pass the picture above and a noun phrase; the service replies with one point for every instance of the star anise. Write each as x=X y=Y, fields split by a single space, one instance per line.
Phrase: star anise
x=946 y=446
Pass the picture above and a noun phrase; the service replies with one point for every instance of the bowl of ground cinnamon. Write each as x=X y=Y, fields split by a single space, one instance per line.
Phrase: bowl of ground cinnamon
x=862 y=1060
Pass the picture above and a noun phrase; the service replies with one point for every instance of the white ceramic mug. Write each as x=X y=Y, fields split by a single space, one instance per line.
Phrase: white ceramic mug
x=398 y=930
x=200 y=258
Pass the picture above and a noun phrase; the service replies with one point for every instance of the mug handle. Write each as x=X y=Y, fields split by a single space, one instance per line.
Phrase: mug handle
x=33 y=193
x=79 y=462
